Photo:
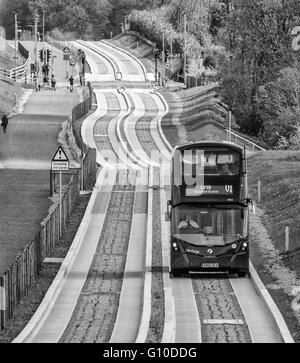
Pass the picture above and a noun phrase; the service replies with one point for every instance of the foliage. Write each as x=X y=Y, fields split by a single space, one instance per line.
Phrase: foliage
x=7 y=19
x=257 y=34
x=153 y=24
x=278 y=106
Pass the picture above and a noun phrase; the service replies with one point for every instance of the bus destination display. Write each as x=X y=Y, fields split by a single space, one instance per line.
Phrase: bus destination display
x=198 y=190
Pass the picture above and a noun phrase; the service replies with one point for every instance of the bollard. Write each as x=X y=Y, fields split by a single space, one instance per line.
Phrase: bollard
x=287 y=239
x=259 y=191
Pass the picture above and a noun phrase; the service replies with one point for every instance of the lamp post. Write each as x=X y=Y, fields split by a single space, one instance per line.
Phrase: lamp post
x=296 y=48
x=230 y=124
x=36 y=50
x=171 y=62
x=185 y=50
x=16 y=45
x=163 y=61
x=44 y=28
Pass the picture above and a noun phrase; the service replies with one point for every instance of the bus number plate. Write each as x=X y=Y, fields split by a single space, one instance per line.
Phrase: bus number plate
x=210 y=265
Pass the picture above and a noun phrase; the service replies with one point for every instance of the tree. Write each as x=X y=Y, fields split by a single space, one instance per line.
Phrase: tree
x=8 y=8
x=278 y=105
x=257 y=33
x=84 y=18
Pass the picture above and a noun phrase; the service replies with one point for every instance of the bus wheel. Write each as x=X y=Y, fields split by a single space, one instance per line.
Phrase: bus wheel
x=243 y=274
x=175 y=273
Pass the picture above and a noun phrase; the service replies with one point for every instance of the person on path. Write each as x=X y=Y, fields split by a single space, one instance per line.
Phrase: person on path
x=53 y=82
x=71 y=80
x=45 y=82
x=4 y=123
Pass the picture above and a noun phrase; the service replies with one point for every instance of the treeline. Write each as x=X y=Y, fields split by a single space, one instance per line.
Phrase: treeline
x=260 y=79
x=249 y=45
x=89 y=19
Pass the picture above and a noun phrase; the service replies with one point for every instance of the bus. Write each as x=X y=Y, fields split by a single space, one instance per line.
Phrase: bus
x=209 y=209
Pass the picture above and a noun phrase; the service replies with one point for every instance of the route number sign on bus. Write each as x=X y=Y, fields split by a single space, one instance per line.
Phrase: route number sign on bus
x=198 y=190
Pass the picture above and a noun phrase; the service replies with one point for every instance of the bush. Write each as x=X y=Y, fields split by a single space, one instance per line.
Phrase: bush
x=153 y=24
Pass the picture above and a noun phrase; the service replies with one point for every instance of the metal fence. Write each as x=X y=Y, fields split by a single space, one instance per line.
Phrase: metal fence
x=19 y=71
x=239 y=140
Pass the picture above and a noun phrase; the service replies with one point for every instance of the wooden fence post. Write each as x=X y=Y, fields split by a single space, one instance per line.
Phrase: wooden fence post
x=259 y=191
x=287 y=239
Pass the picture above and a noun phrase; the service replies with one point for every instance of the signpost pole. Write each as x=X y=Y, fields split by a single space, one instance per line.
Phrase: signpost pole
x=163 y=61
x=60 y=206
x=230 y=125
x=60 y=162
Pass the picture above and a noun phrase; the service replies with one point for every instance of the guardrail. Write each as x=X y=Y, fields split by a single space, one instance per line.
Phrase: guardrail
x=239 y=140
x=15 y=72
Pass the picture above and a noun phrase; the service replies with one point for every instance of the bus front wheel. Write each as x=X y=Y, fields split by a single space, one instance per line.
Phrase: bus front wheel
x=175 y=273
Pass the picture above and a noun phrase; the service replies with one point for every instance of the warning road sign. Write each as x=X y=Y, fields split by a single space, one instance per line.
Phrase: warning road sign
x=60 y=155
x=60 y=161
x=60 y=165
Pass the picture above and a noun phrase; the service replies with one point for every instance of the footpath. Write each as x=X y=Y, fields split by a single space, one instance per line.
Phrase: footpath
x=26 y=151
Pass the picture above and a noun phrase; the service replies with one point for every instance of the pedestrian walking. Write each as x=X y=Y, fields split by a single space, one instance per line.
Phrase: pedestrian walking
x=4 y=123
x=71 y=80
x=53 y=82
x=45 y=81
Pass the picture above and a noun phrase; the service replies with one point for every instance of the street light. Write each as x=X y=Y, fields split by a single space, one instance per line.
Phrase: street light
x=185 y=50
x=16 y=45
x=296 y=48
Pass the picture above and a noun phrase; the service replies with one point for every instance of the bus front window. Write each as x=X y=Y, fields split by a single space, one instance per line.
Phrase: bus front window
x=209 y=226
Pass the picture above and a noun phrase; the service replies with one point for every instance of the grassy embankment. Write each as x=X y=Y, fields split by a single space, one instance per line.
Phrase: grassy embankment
x=279 y=172
x=8 y=88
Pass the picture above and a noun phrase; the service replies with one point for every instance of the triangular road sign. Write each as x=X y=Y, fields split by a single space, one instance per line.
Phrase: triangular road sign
x=60 y=155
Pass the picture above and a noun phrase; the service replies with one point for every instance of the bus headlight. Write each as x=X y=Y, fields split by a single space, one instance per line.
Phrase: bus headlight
x=245 y=246
x=175 y=246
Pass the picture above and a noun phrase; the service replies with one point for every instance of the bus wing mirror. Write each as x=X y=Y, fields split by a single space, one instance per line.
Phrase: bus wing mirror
x=168 y=213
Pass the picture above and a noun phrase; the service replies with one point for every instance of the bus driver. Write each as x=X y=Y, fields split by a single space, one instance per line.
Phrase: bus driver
x=188 y=222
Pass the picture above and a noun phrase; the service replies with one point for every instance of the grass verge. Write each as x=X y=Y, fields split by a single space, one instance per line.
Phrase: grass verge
x=31 y=302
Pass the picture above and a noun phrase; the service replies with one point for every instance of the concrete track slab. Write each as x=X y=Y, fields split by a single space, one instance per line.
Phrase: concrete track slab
x=188 y=328
x=133 y=281
x=130 y=70
x=260 y=324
